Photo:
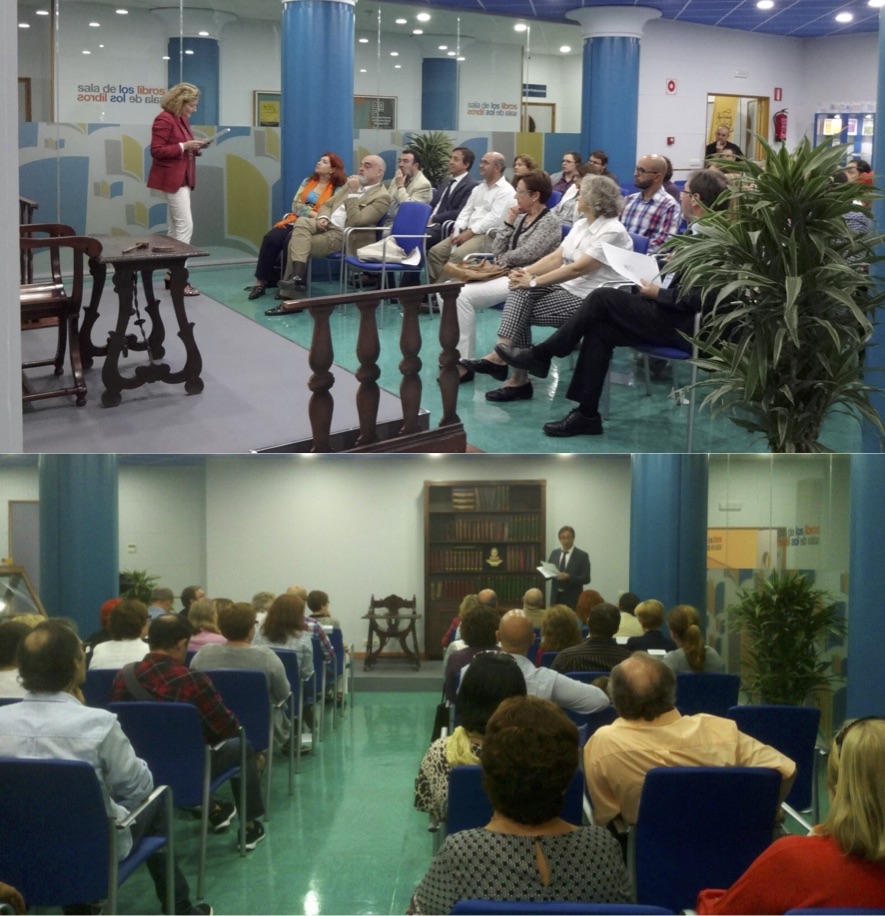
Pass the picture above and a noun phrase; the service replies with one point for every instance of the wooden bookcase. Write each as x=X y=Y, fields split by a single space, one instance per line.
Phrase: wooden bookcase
x=479 y=534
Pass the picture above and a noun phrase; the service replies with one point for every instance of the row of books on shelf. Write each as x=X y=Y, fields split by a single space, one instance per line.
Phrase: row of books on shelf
x=471 y=499
x=511 y=558
x=516 y=528
x=510 y=589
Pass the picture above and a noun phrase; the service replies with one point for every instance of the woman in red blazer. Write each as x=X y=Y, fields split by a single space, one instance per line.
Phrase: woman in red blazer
x=173 y=166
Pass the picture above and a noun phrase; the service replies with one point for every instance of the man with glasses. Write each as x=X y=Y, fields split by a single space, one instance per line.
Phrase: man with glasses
x=598 y=163
x=610 y=318
x=651 y=211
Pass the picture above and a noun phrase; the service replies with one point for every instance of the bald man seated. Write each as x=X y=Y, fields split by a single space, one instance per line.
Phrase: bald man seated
x=515 y=635
x=533 y=605
x=361 y=202
x=651 y=732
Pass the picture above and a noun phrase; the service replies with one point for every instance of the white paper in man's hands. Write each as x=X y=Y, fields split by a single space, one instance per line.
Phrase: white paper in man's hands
x=631 y=265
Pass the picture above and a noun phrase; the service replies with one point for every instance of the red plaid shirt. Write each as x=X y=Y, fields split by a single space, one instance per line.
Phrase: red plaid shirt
x=159 y=674
x=316 y=629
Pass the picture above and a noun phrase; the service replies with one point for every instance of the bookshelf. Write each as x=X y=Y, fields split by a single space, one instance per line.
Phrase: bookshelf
x=479 y=534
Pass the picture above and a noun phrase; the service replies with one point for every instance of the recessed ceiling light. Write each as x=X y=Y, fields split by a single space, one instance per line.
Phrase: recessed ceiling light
x=122 y=12
x=188 y=51
x=876 y=3
x=443 y=47
x=42 y=12
x=765 y=4
x=363 y=41
x=397 y=66
x=423 y=17
x=461 y=59
x=520 y=27
x=394 y=53
x=417 y=31
x=203 y=34
x=844 y=17
x=451 y=53
x=166 y=57
x=363 y=70
x=23 y=25
x=101 y=46
x=565 y=49
x=400 y=21
x=87 y=52
x=94 y=25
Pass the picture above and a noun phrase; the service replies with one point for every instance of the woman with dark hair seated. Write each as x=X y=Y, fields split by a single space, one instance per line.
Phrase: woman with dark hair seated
x=526 y=852
x=490 y=678
x=479 y=629
x=842 y=864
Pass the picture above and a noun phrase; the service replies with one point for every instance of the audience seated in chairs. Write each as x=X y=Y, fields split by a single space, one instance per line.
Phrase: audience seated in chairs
x=610 y=318
x=651 y=733
x=479 y=631
x=550 y=290
x=285 y=628
x=692 y=653
x=53 y=722
x=588 y=598
x=560 y=629
x=127 y=623
x=163 y=676
x=526 y=851
x=599 y=651
x=237 y=625
x=650 y=614
x=842 y=864
x=490 y=678
x=629 y=625
x=103 y=633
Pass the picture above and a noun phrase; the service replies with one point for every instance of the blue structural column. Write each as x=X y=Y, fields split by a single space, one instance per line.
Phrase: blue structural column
x=875 y=366
x=79 y=553
x=200 y=67
x=439 y=93
x=317 y=86
x=668 y=529
x=866 y=619
x=610 y=89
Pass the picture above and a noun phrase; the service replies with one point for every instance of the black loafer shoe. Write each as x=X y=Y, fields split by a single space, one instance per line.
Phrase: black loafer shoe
x=511 y=393
x=256 y=292
x=468 y=376
x=523 y=358
x=279 y=310
x=575 y=424
x=486 y=367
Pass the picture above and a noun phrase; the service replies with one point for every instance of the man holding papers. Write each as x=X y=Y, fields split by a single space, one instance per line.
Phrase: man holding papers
x=611 y=318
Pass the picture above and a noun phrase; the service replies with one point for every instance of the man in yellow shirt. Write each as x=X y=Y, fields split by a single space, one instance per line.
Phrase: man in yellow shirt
x=651 y=732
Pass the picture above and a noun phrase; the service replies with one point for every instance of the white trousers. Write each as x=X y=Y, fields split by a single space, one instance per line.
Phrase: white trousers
x=181 y=223
x=475 y=296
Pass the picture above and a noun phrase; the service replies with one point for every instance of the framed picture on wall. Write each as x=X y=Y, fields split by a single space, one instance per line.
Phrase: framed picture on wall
x=265 y=108
x=374 y=112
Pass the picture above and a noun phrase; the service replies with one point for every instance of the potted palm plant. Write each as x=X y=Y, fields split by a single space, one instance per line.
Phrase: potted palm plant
x=434 y=149
x=784 y=623
x=137 y=584
x=785 y=342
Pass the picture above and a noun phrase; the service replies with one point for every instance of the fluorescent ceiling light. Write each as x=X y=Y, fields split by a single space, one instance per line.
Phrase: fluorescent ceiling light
x=423 y=17
x=844 y=17
x=565 y=49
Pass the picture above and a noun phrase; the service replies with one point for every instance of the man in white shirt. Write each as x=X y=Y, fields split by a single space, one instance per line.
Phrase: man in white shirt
x=53 y=722
x=516 y=634
x=485 y=210
x=361 y=202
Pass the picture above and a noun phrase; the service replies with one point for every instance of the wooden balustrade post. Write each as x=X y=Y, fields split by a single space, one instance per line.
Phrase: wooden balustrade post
x=410 y=365
x=322 y=404
x=368 y=348
x=449 y=332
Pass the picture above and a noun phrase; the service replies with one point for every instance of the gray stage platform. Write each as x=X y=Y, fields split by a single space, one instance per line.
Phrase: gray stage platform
x=255 y=394
x=397 y=674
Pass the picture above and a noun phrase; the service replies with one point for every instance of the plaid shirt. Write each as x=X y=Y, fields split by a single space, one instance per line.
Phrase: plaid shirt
x=167 y=680
x=657 y=219
x=316 y=630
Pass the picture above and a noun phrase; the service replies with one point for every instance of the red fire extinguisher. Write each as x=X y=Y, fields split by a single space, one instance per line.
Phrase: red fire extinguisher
x=780 y=126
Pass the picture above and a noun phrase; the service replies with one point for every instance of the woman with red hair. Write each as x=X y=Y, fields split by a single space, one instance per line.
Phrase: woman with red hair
x=329 y=175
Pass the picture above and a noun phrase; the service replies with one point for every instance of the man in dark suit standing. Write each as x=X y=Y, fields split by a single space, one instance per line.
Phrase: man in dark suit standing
x=574 y=569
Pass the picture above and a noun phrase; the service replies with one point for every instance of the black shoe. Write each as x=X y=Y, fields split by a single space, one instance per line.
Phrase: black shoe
x=511 y=393
x=254 y=835
x=256 y=292
x=202 y=909
x=523 y=358
x=486 y=367
x=221 y=816
x=575 y=424
x=279 y=310
x=469 y=376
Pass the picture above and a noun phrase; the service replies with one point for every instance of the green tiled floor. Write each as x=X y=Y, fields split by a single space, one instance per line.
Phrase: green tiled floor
x=348 y=841
x=637 y=423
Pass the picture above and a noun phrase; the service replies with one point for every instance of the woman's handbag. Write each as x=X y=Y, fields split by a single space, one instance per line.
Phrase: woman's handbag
x=474 y=273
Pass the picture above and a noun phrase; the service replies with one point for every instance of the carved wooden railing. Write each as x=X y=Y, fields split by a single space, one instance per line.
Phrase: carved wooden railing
x=449 y=436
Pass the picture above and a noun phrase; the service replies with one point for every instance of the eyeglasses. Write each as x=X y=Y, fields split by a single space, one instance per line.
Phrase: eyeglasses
x=519 y=191
x=639 y=171
x=568 y=161
x=596 y=162
x=840 y=735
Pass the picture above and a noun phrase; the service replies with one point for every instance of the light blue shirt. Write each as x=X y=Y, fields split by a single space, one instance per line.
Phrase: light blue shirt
x=58 y=726
x=559 y=688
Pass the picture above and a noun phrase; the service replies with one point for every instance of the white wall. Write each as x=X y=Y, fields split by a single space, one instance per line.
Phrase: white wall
x=16 y=483
x=562 y=74
x=353 y=526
